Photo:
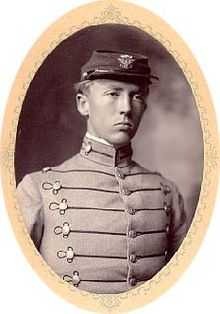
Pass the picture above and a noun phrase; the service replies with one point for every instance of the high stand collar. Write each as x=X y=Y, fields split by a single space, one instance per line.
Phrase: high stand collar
x=106 y=154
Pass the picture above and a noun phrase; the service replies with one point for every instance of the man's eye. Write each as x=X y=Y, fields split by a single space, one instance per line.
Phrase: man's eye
x=113 y=94
x=138 y=97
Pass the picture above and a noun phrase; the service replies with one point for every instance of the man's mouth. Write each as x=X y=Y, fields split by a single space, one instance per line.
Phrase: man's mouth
x=124 y=123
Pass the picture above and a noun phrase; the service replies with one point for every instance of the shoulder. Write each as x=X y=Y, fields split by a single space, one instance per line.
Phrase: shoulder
x=68 y=164
x=36 y=177
x=150 y=174
x=154 y=178
x=137 y=168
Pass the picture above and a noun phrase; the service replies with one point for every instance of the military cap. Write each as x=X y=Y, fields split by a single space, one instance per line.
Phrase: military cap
x=117 y=65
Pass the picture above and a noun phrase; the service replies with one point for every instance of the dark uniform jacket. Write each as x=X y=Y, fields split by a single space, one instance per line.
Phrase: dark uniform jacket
x=101 y=221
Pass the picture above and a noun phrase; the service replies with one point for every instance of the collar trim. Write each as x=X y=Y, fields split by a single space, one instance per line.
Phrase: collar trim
x=97 y=139
x=106 y=154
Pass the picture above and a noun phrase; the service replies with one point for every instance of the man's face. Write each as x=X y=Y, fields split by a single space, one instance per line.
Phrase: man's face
x=114 y=109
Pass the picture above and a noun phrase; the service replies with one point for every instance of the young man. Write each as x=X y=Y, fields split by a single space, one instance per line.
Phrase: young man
x=101 y=221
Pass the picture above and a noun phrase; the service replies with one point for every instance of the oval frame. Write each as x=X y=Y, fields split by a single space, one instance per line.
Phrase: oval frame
x=101 y=12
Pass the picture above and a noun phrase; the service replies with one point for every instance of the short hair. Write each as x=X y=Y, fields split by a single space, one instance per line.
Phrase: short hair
x=82 y=87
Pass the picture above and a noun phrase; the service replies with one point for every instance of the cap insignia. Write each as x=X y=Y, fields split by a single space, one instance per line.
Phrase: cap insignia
x=126 y=61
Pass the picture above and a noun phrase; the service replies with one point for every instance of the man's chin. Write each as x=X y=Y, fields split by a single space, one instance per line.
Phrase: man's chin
x=120 y=139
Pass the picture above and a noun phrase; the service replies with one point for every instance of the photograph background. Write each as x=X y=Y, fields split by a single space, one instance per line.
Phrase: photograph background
x=169 y=139
x=199 y=296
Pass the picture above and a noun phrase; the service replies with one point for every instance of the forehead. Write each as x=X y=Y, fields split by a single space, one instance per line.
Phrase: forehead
x=114 y=84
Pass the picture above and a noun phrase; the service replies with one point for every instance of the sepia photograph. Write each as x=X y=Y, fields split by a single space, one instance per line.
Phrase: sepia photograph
x=108 y=158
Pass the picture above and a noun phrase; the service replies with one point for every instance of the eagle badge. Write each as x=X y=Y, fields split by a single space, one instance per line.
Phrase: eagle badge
x=126 y=61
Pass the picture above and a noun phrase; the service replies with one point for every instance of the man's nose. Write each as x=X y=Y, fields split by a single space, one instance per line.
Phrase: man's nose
x=124 y=104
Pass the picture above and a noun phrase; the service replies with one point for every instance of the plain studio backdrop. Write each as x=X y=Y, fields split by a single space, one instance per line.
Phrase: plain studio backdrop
x=169 y=139
x=198 y=23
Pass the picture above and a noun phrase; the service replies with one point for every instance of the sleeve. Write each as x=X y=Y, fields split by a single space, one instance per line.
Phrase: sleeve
x=31 y=206
x=178 y=223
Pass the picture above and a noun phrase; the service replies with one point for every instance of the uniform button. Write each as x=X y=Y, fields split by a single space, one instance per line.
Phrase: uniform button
x=66 y=229
x=131 y=211
x=133 y=258
x=166 y=208
x=166 y=189
x=61 y=254
x=63 y=206
x=126 y=191
x=56 y=187
x=119 y=174
x=46 y=169
x=167 y=228
x=75 y=278
x=70 y=254
x=165 y=253
x=88 y=148
x=132 y=234
x=132 y=281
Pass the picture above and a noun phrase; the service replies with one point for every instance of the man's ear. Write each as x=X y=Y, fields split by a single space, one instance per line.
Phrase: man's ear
x=82 y=104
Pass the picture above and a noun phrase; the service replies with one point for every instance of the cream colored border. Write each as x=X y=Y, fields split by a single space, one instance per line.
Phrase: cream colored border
x=114 y=11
